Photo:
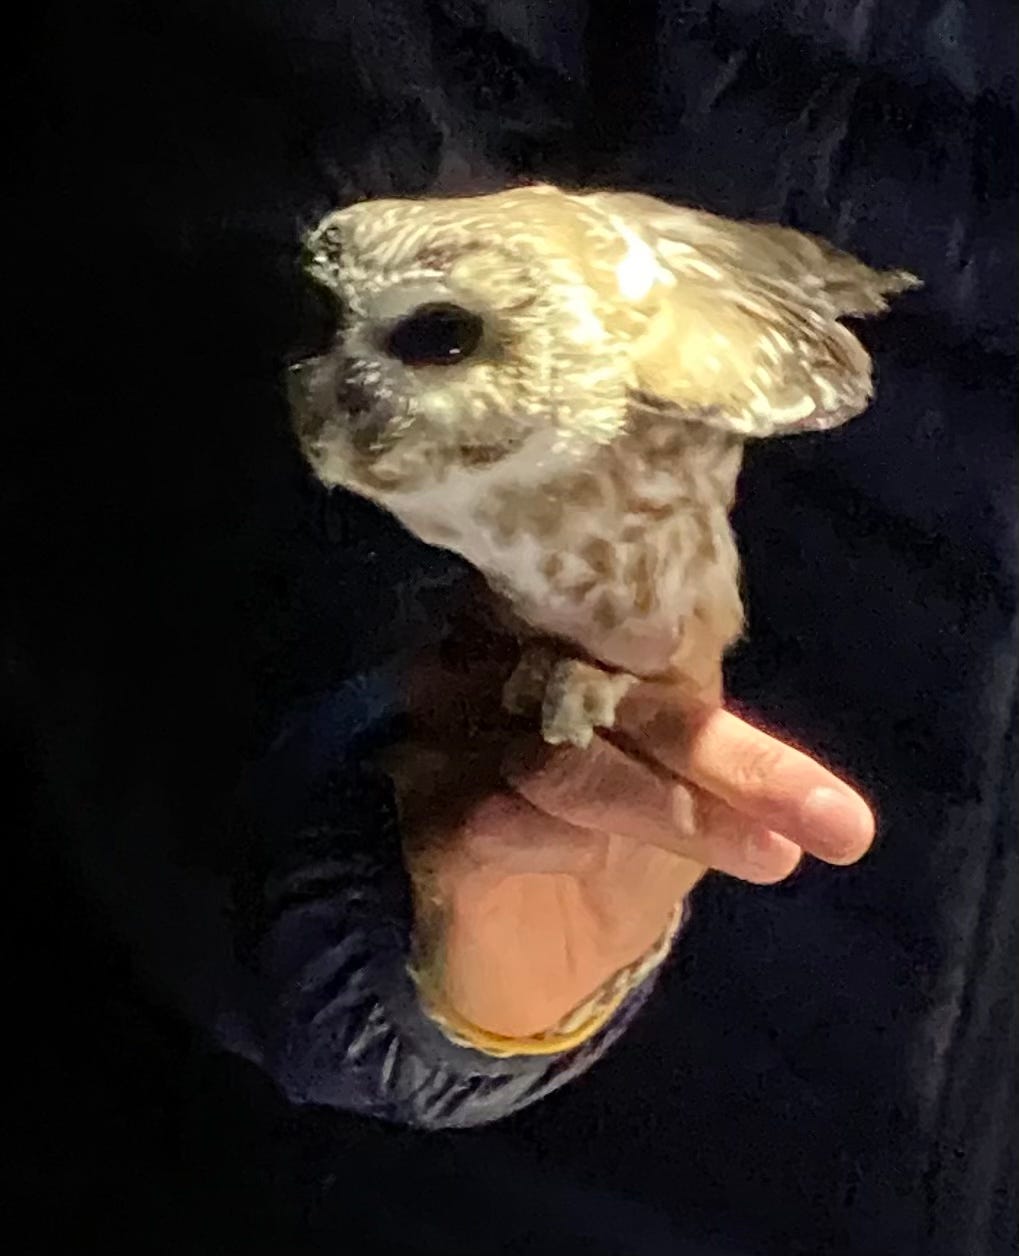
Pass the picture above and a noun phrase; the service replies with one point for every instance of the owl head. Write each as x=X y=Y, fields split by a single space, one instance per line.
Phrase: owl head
x=468 y=328
x=465 y=329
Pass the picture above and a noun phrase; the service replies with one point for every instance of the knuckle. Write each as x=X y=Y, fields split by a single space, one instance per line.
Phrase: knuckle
x=681 y=810
x=758 y=764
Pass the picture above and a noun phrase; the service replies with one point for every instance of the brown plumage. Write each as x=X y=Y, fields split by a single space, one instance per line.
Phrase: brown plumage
x=558 y=386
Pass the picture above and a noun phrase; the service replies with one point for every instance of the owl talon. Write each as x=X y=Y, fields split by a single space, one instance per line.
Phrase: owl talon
x=578 y=699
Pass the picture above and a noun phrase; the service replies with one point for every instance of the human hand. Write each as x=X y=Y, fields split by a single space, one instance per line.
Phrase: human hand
x=540 y=872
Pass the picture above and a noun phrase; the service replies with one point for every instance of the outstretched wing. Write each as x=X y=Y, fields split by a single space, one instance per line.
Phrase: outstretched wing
x=742 y=326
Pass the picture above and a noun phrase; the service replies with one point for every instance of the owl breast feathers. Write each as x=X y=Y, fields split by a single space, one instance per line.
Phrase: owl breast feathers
x=557 y=386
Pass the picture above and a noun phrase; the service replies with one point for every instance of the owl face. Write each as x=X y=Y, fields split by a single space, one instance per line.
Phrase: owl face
x=477 y=330
x=465 y=331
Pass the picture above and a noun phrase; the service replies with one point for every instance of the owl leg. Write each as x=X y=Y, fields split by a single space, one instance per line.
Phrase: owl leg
x=574 y=698
x=578 y=699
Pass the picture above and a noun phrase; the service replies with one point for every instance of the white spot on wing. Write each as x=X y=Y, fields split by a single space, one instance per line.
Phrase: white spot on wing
x=640 y=268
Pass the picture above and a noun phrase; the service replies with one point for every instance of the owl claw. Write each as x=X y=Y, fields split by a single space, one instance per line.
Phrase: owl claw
x=574 y=698
x=578 y=699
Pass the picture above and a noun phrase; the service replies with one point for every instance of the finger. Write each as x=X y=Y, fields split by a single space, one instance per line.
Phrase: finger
x=756 y=774
x=782 y=787
x=731 y=842
x=505 y=834
x=602 y=788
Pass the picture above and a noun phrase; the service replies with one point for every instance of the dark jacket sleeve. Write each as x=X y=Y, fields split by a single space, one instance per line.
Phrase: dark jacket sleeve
x=328 y=1009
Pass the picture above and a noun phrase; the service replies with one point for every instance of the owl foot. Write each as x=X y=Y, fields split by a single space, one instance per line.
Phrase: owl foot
x=578 y=699
x=574 y=698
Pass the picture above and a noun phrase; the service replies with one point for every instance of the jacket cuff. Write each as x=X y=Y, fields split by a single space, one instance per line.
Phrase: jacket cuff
x=575 y=1028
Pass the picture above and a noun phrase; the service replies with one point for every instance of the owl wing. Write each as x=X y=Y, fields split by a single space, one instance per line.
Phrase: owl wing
x=742 y=327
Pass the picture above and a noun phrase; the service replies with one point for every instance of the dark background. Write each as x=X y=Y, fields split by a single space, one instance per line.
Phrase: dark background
x=828 y=1066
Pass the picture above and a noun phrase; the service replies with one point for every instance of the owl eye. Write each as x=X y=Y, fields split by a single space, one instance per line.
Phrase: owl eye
x=436 y=334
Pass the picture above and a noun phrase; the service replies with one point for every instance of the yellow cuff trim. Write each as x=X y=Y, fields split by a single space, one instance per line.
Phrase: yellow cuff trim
x=574 y=1028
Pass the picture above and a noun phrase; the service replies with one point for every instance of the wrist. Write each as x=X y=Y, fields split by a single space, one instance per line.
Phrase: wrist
x=492 y=1028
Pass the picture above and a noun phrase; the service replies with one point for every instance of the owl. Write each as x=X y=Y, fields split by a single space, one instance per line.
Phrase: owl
x=558 y=387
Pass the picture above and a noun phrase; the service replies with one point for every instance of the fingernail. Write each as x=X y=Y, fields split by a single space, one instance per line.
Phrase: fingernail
x=843 y=822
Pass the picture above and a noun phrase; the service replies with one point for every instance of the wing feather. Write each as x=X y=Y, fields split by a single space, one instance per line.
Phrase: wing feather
x=743 y=327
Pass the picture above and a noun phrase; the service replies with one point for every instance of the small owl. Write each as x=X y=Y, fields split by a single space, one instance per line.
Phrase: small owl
x=557 y=386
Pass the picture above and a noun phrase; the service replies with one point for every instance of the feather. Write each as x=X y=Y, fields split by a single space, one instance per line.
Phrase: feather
x=745 y=336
